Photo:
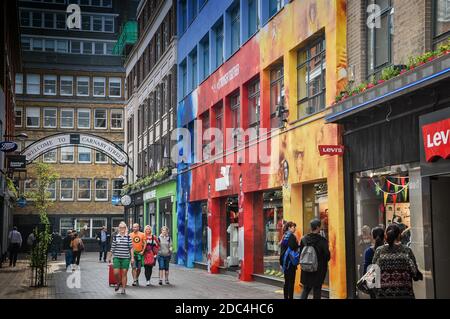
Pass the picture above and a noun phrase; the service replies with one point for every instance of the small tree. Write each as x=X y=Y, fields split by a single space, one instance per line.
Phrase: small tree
x=41 y=197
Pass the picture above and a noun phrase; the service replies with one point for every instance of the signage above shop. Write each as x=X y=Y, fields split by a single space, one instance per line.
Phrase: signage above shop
x=150 y=195
x=7 y=146
x=98 y=143
x=17 y=162
x=222 y=183
x=331 y=150
x=436 y=140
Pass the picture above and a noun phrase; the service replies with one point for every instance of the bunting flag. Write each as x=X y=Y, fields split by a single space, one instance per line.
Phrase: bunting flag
x=388 y=185
x=385 y=195
x=405 y=193
x=403 y=182
x=396 y=187
x=394 y=198
x=377 y=189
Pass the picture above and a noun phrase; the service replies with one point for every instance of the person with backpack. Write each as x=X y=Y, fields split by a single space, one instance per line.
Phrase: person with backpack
x=77 y=246
x=314 y=257
x=398 y=267
x=164 y=254
x=289 y=247
x=151 y=250
x=122 y=253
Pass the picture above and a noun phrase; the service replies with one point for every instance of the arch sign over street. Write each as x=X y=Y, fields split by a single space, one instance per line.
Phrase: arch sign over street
x=59 y=140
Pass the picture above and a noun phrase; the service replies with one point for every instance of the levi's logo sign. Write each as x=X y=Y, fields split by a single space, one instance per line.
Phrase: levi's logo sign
x=436 y=139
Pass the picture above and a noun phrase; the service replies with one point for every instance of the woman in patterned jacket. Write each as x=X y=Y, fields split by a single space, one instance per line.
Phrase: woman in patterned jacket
x=397 y=265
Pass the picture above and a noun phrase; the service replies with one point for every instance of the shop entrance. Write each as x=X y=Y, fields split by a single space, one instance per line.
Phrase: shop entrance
x=440 y=202
x=232 y=260
x=151 y=216
x=165 y=213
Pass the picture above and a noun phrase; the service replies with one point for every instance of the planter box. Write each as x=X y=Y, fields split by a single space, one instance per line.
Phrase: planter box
x=412 y=80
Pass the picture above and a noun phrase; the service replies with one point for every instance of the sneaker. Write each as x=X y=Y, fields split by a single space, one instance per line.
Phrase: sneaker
x=123 y=291
x=148 y=282
x=160 y=282
x=117 y=287
x=167 y=282
x=135 y=283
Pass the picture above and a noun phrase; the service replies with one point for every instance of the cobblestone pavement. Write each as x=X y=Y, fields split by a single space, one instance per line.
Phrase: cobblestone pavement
x=184 y=283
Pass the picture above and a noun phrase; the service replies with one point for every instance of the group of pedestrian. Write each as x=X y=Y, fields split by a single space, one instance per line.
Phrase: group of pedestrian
x=312 y=254
x=140 y=249
x=73 y=246
x=395 y=260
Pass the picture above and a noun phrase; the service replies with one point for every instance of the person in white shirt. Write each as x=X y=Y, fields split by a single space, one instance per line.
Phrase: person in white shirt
x=15 y=242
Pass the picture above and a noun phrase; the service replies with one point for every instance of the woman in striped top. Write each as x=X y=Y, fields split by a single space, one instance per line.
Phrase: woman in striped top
x=122 y=252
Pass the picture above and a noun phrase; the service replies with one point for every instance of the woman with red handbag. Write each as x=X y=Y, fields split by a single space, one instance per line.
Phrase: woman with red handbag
x=151 y=250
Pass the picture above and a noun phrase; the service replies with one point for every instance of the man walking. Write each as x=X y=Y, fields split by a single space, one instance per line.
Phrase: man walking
x=103 y=240
x=138 y=239
x=67 y=249
x=15 y=242
x=314 y=257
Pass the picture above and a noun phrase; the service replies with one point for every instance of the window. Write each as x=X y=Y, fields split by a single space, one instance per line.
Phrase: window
x=33 y=84
x=97 y=225
x=66 y=118
x=117 y=187
x=275 y=6
x=30 y=185
x=441 y=21
x=100 y=158
x=49 y=84
x=84 y=118
x=83 y=227
x=66 y=188
x=235 y=117
x=84 y=154
x=193 y=81
x=25 y=18
x=379 y=40
x=18 y=112
x=33 y=117
x=84 y=189
x=110 y=47
x=62 y=46
x=101 y=189
x=49 y=45
x=276 y=94
x=183 y=79
x=37 y=44
x=235 y=29
x=97 y=23
x=37 y=19
x=253 y=17
x=86 y=22
x=87 y=47
x=51 y=190
x=193 y=7
x=183 y=16
x=66 y=224
x=26 y=43
x=66 y=85
x=49 y=20
x=115 y=87
x=204 y=46
x=100 y=119
x=49 y=118
x=75 y=47
x=67 y=154
x=60 y=21
x=83 y=86
x=99 y=48
x=106 y=3
x=311 y=79
x=50 y=156
x=116 y=119
x=219 y=44
x=219 y=126
x=253 y=105
x=109 y=24
x=99 y=86
x=19 y=83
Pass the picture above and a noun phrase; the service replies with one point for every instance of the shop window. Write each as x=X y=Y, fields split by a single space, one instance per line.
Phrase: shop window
x=66 y=224
x=83 y=227
x=232 y=232
x=311 y=79
x=391 y=195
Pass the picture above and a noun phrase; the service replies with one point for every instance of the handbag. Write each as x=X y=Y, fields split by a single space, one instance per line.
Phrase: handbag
x=368 y=282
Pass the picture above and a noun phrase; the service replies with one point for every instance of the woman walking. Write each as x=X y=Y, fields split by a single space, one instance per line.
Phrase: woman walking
x=398 y=267
x=289 y=241
x=151 y=250
x=77 y=246
x=378 y=241
x=122 y=252
x=164 y=254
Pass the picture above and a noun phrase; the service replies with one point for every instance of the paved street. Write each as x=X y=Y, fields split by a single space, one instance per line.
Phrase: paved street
x=185 y=283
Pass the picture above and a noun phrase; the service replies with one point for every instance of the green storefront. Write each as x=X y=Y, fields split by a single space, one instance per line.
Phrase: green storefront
x=160 y=209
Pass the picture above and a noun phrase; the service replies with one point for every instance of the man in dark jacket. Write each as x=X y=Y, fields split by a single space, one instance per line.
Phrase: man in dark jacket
x=314 y=280
x=103 y=241
x=67 y=249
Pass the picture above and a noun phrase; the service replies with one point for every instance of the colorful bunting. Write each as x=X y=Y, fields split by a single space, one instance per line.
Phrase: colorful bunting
x=385 y=195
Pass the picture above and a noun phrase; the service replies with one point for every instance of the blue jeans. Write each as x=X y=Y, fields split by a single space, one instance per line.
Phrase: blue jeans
x=163 y=262
x=103 y=250
x=69 y=257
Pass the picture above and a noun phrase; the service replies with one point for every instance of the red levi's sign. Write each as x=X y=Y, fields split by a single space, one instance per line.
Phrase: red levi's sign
x=436 y=140
x=331 y=150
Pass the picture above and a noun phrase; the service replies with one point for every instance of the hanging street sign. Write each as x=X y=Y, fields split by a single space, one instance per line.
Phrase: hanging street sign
x=8 y=146
x=17 y=162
